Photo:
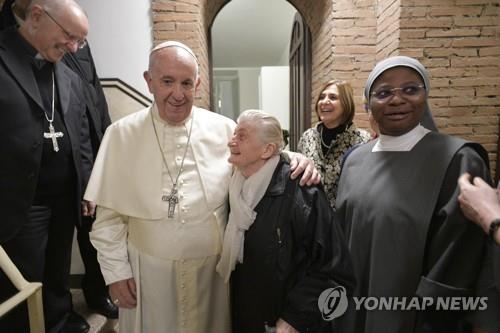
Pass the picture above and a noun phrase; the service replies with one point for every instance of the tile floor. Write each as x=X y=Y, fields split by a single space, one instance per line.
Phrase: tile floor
x=98 y=323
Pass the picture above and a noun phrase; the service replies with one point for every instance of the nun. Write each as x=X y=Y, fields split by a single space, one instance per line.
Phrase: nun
x=397 y=204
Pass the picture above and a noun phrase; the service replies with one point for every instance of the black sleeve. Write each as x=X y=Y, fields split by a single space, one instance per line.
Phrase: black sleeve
x=86 y=152
x=455 y=246
x=328 y=262
x=101 y=104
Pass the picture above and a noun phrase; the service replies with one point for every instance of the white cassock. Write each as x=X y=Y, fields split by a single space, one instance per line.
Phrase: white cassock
x=171 y=259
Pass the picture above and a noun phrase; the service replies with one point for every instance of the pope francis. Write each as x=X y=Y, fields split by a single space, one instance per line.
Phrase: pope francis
x=160 y=182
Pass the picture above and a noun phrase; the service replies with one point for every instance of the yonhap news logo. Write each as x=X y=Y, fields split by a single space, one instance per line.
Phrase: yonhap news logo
x=451 y=303
x=333 y=302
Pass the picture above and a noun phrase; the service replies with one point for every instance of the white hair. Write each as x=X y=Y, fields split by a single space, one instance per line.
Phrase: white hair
x=268 y=127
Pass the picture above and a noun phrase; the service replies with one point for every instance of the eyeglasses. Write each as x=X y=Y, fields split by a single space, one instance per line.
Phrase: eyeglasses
x=73 y=39
x=408 y=91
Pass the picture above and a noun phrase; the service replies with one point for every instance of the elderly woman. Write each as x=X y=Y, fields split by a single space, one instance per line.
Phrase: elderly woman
x=280 y=240
x=333 y=135
x=397 y=203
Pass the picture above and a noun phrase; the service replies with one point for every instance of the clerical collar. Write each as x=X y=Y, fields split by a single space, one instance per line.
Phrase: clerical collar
x=403 y=142
x=40 y=62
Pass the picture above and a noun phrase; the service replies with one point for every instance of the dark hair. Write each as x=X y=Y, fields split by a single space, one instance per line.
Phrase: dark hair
x=346 y=97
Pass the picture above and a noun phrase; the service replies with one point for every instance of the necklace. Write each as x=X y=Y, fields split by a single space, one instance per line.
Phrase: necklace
x=172 y=198
x=322 y=141
x=53 y=135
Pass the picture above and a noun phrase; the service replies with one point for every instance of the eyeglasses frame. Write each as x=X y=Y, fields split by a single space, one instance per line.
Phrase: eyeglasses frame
x=393 y=92
x=80 y=43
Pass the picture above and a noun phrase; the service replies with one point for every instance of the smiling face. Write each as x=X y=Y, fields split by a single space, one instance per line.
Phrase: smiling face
x=248 y=152
x=329 y=108
x=56 y=33
x=401 y=113
x=173 y=81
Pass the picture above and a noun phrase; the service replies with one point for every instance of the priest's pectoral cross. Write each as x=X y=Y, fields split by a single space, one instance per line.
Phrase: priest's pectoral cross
x=53 y=135
x=173 y=200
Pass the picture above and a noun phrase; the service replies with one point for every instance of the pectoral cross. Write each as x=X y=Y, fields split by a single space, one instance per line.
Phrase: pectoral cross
x=53 y=135
x=172 y=201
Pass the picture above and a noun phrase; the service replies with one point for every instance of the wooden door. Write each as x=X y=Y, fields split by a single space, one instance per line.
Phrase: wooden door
x=300 y=80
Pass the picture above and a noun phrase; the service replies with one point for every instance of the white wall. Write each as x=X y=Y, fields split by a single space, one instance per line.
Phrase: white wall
x=120 y=38
x=275 y=93
x=249 y=89
x=285 y=56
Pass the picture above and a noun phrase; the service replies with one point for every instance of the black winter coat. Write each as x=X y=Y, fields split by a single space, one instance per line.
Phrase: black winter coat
x=292 y=252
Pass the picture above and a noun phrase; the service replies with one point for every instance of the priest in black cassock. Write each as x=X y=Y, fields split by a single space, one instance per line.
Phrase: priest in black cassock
x=46 y=155
x=397 y=203
x=82 y=63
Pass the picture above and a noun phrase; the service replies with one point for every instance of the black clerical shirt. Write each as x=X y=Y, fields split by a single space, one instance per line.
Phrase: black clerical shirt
x=57 y=174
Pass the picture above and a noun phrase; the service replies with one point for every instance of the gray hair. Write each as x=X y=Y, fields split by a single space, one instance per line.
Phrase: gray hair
x=268 y=129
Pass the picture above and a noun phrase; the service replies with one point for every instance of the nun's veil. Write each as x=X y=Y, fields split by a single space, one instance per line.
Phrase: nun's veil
x=427 y=121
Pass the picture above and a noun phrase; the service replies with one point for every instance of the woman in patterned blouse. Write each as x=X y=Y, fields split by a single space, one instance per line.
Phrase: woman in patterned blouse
x=326 y=142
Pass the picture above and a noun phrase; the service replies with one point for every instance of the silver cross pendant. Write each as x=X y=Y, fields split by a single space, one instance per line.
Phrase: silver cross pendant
x=53 y=135
x=173 y=200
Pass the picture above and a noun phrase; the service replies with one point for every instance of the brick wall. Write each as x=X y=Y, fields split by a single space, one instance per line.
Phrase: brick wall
x=388 y=30
x=354 y=45
x=343 y=44
x=459 y=43
x=186 y=21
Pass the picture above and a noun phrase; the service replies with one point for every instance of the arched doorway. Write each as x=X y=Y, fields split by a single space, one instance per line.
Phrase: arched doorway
x=273 y=77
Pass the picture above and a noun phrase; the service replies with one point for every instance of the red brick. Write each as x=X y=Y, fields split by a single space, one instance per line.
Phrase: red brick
x=414 y=53
x=475 y=82
x=473 y=2
x=472 y=120
x=489 y=71
x=475 y=42
x=457 y=130
x=487 y=91
x=442 y=22
x=453 y=33
x=435 y=62
x=491 y=10
x=438 y=102
x=354 y=13
x=455 y=11
x=366 y=22
x=413 y=12
x=447 y=92
x=161 y=6
x=474 y=21
x=175 y=17
x=439 y=72
x=186 y=8
x=474 y=61
x=489 y=51
x=164 y=26
x=464 y=101
x=486 y=130
x=412 y=34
